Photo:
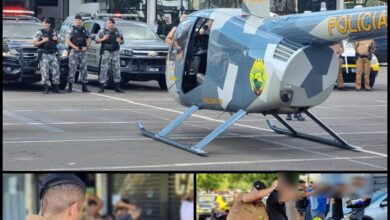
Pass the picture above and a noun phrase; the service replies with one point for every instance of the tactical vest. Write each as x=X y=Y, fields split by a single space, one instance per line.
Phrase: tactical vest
x=110 y=44
x=79 y=36
x=51 y=45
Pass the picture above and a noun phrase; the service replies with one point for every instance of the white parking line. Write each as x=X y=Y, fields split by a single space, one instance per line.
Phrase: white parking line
x=175 y=111
x=84 y=109
x=175 y=165
x=350 y=111
x=70 y=99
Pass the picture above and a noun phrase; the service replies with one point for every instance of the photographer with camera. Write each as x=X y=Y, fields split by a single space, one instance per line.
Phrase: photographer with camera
x=361 y=193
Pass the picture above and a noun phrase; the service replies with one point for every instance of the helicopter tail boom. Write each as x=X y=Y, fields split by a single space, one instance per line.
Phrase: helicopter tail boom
x=330 y=27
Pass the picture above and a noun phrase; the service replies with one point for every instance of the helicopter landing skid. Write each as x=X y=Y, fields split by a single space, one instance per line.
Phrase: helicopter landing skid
x=198 y=148
x=337 y=142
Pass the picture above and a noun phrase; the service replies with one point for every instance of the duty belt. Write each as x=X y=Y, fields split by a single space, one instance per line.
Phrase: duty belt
x=48 y=51
x=362 y=56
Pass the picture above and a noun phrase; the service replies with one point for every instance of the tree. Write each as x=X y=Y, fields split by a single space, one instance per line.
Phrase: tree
x=208 y=181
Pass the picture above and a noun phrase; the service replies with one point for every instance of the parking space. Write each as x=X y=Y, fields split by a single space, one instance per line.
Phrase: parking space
x=96 y=131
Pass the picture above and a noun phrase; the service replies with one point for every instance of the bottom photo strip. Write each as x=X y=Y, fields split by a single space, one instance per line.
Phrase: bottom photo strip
x=189 y=196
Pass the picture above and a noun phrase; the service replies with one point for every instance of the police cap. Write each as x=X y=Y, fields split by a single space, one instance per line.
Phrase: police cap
x=78 y=17
x=56 y=179
x=259 y=185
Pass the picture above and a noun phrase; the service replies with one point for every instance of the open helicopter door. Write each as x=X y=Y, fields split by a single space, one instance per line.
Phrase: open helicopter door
x=176 y=55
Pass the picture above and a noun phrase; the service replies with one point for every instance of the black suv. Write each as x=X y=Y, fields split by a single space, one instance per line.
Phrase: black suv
x=142 y=56
x=20 y=63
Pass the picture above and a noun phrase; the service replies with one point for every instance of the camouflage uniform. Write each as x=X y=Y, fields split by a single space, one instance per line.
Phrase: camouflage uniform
x=48 y=63
x=109 y=59
x=77 y=58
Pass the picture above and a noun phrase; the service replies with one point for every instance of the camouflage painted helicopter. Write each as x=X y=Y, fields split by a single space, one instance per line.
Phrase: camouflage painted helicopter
x=245 y=61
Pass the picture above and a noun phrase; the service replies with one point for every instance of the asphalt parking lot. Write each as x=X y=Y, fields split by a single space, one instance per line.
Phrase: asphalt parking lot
x=95 y=131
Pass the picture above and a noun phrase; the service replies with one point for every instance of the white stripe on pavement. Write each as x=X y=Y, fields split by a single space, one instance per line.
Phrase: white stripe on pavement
x=213 y=163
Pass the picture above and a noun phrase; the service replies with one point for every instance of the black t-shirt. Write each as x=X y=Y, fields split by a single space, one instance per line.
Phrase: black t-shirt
x=276 y=210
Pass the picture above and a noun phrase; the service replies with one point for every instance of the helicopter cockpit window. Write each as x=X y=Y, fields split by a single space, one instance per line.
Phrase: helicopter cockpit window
x=196 y=61
x=180 y=40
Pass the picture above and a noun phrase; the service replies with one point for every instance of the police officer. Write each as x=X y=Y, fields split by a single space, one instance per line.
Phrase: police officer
x=364 y=50
x=249 y=205
x=78 y=40
x=46 y=40
x=61 y=197
x=110 y=37
x=339 y=49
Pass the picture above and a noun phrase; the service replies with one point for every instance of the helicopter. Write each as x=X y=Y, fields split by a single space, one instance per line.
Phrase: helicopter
x=246 y=61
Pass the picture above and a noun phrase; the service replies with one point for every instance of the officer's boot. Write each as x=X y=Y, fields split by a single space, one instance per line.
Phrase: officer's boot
x=45 y=89
x=299 y=116
x=69 y=88
x=56 y=89
x=101 y=90
x=118 y=88
x=85 y=88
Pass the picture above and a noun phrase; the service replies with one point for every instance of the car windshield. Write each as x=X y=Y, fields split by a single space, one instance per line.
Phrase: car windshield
x=16 y=30
x=136 y=32
x=206 y=198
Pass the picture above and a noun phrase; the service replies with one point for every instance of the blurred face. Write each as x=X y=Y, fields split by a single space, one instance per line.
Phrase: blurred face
x=46 y=25
x=77 y=22
x=302 y=186
x=358 y=182
x=191 y=195
x=93 y=209
x=110 y=25
x=121 y=211
x=286 y=192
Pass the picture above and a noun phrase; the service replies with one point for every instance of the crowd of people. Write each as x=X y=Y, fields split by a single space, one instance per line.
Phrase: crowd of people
x=311 y=201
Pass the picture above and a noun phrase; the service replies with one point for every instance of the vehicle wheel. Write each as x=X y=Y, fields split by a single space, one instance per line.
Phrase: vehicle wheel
x=110 y=81
x=372 y=80
x=162 y=83
x=367 y=218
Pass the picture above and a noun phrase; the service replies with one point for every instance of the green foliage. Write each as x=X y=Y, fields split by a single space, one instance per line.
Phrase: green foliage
x=232 y=181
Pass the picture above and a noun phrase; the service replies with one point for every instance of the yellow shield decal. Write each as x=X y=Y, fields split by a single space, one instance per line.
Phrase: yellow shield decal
x=257 y=77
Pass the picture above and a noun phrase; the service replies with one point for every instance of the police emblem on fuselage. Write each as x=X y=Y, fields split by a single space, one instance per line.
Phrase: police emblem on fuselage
x=257 y=77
